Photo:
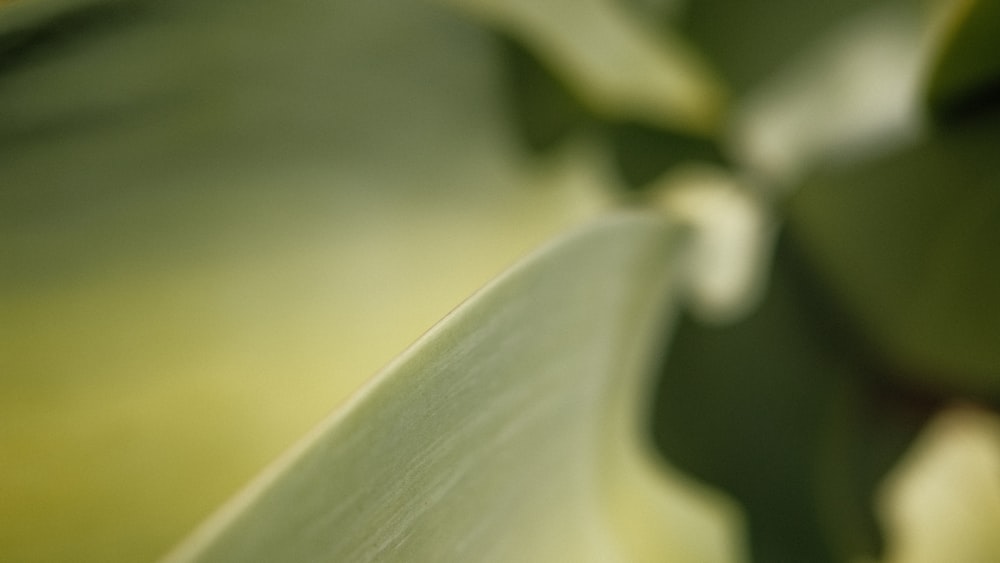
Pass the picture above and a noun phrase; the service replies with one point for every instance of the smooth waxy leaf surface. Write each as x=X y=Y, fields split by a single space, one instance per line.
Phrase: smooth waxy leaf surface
x=509 y=432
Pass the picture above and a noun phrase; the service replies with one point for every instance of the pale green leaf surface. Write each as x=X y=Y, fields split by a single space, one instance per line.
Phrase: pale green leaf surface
x=509 y=432
x=617 y=64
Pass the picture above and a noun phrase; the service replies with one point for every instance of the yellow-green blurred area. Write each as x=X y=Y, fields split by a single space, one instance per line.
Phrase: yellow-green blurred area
x=137 y=398
x=215 y=223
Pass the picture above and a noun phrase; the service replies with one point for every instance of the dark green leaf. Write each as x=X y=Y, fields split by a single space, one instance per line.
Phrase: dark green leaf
x=544 y=111
x=612 y=61
x=784 y=412
x=908 y=245
x=644 y=153
x=966 y=76
x=749 y=39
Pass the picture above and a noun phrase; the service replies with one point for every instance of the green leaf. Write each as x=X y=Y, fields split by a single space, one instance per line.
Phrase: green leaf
x=509 y=432
x=966 y=75
x=216 y=220
x=546 y=113
x=907 y=245
x=819 y=104
x=645 y=154
x=617 y=66
x=749 y=39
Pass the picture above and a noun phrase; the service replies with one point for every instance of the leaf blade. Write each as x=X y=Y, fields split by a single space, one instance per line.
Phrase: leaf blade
x=499 y=417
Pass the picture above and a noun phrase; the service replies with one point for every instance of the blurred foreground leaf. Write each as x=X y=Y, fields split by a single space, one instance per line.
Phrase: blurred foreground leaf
x=510 y=432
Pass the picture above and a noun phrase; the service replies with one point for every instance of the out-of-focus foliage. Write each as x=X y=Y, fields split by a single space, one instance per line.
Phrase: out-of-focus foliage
x=750 y=40
x=780 y=410
x=612 y=61
x=943 y=501
x=910 y=244
x=875 y=317
x=217 y=218
x=820 y=107
x=965 y=79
